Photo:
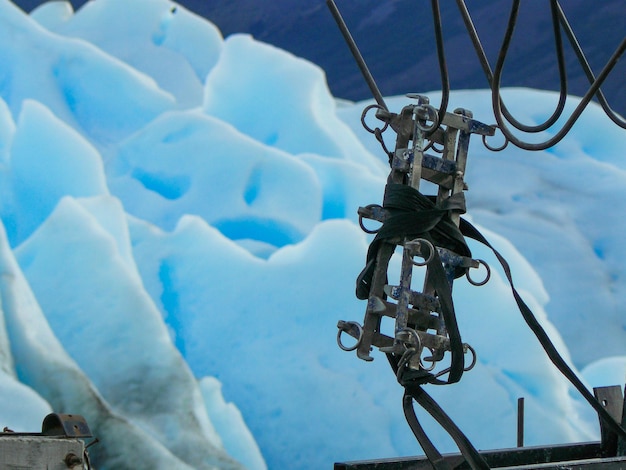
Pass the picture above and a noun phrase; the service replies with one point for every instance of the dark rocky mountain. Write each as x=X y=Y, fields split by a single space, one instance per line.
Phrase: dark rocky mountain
x=397 y=41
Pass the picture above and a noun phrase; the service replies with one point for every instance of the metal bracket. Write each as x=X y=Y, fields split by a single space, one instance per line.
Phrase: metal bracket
x=613 y=401
x=65 y=425
x=58 y=425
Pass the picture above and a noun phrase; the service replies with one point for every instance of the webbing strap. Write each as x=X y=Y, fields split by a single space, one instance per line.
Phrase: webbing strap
x=444 y=294
x=470 y=231
x=469 y=452
x=413 y=391
x=433 y=455
x=411 y=214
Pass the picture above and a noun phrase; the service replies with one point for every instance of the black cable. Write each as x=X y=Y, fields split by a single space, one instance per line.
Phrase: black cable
x=587 y=69
x=501 y=113
x=369 y=79
x=443 y=67
x=497 y=74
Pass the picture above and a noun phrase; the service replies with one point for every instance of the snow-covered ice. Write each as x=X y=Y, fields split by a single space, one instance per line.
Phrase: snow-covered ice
x=179 y=238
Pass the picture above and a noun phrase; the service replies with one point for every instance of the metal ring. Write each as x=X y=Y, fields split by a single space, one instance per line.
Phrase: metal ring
x=431 y=252
x=433 y=115
x=404 y=360
x=344 y=329
x=366 y=230
x=484 y=281
x=365 y=126
x=417 y=343
x=474 y=358
x=495 y=149
x=434 y=148
x=433 y=362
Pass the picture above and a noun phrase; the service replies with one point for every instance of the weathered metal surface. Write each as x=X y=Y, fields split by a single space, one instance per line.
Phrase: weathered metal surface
x=41 y=452
x=621 y=442
x=520 y=422
x=67 y=425
x=415 y=312
x=58 y=445
x=59 y=425
x=615 y=463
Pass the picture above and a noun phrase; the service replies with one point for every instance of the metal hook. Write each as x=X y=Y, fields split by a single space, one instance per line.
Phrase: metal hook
x=404 y=362
x=484 y=281
x=493 y=78
x=495 y=149
x=364 y=124
x=353 y=329
x=495 y=84
x=474 y=357
x=414 y=247
x=365 y=229
x=433 y=361
x=433 y=147
x=587 y=69
x=410 y=338
x=431 y=114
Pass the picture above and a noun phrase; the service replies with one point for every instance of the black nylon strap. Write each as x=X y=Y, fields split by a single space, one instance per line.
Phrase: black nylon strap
x=444 y=294
x=470 y=231
x=413 y=391
x=471 y=455
x=411 y=214
x=433 y=455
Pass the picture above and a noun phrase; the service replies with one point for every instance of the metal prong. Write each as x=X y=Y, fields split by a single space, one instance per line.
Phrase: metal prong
x=356 y=54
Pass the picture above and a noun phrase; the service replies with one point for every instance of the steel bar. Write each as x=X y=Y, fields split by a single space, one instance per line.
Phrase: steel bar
x=520 y=422
x=371 y=83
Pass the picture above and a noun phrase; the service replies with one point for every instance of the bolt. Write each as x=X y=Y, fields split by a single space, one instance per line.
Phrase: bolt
x=71 y=460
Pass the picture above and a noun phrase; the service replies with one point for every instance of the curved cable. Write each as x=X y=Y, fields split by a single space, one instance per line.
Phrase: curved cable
x=587 y=69
x=493 y=78
x=497 y=74
x=593 y=89
x=489 y=74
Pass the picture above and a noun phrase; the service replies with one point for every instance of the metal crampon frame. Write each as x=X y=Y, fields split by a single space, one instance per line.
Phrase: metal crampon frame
x=420 y=317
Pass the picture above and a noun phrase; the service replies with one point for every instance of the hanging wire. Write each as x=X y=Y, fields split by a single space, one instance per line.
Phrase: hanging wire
x=503 y=116
x=587 y=69
x=493 y=77
x=371 y=83
x=501 y=113
x=443 y=67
